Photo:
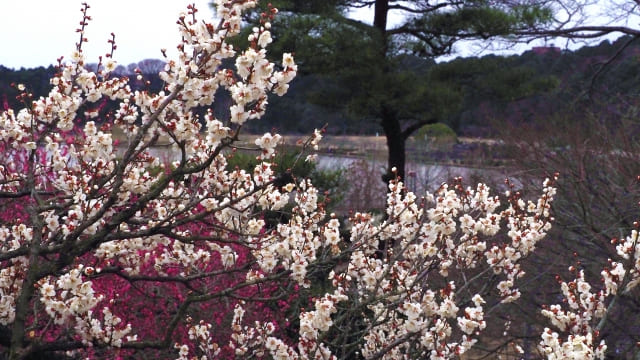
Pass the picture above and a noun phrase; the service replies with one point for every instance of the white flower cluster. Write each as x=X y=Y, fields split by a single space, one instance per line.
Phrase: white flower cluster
x=312 y=323
x=230 y=11
x=448 y=238
x=109 y=331
x=295 y=244
x=586 y=308
x=528 y=223
x=71 y=300
x=391 y=263
x=11 y=279
x=268 y=144
x=575 y=347
x=629 y=250
x=254 y=340
x=69 y=297
x=473 y=319
x=125 y=209
x=201 y=335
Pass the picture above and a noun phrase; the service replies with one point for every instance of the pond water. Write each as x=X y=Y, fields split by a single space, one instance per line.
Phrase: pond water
x=421 y=176
x=427 y=177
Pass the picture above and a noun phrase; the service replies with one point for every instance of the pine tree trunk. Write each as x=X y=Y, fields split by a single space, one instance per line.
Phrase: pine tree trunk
x=395 y=145
x=389 y=120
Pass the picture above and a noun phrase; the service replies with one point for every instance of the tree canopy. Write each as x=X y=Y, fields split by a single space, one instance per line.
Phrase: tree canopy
x=371 y=62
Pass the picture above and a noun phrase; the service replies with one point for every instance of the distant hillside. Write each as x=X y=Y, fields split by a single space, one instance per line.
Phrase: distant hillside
x=494 y=89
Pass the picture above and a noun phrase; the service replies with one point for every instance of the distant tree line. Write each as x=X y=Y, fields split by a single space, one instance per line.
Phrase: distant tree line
x=471 y=95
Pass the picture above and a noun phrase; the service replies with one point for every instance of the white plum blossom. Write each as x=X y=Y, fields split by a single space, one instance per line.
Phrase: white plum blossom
x=268 y=143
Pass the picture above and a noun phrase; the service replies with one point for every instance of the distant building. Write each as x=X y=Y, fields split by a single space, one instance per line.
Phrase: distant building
x=542 y=50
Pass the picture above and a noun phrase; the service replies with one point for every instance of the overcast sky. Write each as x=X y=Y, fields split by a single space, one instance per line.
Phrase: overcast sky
x=37 y=32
